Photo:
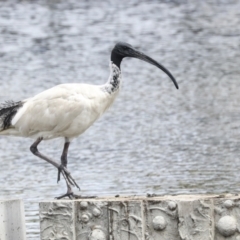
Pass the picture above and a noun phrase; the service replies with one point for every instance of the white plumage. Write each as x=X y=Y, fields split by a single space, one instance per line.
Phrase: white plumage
x=67 y=110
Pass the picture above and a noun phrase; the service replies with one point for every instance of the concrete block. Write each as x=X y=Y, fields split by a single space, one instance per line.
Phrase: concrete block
x=57 y=220
x=92 y=220
x=161 y=219
x=195 y=219
x=227 y=218
x=186 y=217
x=126 y=220
x=12 y=220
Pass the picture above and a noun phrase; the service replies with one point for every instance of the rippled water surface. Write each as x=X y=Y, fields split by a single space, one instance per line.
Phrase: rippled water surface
x=155 y=139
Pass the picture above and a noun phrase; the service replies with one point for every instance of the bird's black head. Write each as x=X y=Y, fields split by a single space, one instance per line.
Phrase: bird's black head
x=122 y=50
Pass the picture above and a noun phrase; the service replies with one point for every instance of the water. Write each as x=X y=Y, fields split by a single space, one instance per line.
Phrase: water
x=155 y=139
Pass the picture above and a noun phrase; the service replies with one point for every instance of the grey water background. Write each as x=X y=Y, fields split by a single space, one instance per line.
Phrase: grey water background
x=155 y=139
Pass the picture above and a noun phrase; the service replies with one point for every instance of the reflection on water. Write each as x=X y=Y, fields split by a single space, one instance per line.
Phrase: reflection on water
x=155 y=138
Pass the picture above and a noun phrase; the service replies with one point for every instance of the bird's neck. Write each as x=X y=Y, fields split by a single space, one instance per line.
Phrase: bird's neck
x=116 y=58
x=114 y=80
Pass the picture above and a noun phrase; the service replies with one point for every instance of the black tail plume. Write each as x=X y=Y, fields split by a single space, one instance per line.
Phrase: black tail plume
x=7 y=112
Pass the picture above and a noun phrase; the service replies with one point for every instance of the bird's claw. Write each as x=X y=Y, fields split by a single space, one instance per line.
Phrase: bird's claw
x=68 y=194
x=71 y=195
x=68 y=177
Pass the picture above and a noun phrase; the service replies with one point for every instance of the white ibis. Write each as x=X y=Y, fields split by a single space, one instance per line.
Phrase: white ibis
x=67 y=110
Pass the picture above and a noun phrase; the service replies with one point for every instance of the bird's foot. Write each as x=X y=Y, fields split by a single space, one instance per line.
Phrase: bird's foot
x=68 y=177
x=69 y=193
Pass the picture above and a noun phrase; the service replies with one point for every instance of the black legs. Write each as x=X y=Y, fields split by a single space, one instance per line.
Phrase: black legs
x=63 y=158
x=62 y=168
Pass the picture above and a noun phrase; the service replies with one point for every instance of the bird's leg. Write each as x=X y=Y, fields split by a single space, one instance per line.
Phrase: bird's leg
x=63 y=158
x=66 y=174
x=69 y=192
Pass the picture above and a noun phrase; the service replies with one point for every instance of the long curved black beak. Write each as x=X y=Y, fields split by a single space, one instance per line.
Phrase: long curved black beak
x=137 y=54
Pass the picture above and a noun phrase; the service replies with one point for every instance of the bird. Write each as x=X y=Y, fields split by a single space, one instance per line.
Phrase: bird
x=68 y=110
